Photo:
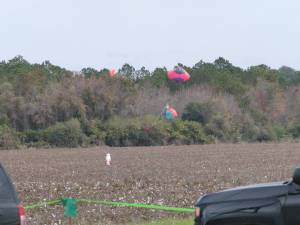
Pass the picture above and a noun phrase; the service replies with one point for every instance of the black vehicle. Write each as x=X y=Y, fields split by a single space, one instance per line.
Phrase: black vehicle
x=275 y=203
x=11 y=212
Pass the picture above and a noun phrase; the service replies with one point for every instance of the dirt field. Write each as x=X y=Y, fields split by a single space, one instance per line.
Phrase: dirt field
x=171 y=175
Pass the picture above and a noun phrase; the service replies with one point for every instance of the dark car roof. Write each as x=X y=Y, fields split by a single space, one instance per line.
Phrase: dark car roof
x=7 y=190
x=250 y=192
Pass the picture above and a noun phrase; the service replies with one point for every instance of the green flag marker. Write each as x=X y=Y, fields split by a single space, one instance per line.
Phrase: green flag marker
x=70 y=207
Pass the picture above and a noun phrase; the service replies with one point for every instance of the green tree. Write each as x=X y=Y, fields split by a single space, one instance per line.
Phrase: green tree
x=198 y=112
x=65 y=134
x=127 y=71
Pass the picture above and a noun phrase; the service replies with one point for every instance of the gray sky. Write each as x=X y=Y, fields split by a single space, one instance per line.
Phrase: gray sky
x=108 y=33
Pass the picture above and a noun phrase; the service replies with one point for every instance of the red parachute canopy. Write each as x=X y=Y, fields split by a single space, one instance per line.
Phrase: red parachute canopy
x=170 y=113
x=112 y=72
x=173 y=111
x=178 y=74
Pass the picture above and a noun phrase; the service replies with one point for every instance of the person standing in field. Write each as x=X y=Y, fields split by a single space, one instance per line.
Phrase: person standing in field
x=108 y=159
x=165 y=109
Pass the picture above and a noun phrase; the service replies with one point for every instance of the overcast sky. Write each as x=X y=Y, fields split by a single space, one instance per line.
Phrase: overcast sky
x=152 y=33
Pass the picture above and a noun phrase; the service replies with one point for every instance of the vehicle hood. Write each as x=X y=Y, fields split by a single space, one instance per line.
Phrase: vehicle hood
x=251 y=192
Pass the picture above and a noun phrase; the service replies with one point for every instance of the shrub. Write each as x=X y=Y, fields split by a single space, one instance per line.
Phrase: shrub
x=244 y=103
x=192 y=132
x=294 y=131
x=65 y=134
x=144 y=131
x=279 y=132
x=248 y=131
x=265 y=135
x=220 y=128
x=198 y=112
x=115 y=132
x=94 y=131
x=155 y=130
x=33 y=138
x=8 y=138
x=258 y=116
x=30 y=136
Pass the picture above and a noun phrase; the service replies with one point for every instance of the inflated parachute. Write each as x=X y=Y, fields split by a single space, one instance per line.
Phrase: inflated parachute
x=178 y=74
x=112 y=72
x=170 y=113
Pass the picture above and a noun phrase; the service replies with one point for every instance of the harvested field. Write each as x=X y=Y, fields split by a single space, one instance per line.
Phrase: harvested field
x=173 y=175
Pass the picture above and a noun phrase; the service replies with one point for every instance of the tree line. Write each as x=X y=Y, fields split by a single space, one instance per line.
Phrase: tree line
x=44 y=105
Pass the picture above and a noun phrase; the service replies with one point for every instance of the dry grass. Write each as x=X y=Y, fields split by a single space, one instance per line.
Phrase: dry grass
x=170 y=175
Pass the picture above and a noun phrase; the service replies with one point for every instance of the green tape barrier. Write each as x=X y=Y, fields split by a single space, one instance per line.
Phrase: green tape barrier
x=112 y=203
x=44 y=204
x=137 y=205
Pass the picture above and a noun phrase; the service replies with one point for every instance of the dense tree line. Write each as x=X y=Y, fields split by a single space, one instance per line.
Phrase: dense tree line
x=46 y=105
